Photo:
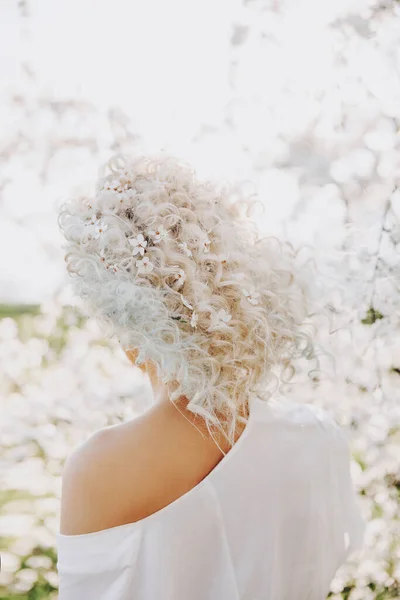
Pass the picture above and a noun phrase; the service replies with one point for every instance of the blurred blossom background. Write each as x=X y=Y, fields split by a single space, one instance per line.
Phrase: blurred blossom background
x=300 y=99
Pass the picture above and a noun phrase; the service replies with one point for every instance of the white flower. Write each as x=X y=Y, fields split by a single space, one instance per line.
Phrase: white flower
x=159 y=234
x=184 y=247
x=206 y=245
x=99 y=228
x=185 y=302
x=130 y=193
x=113 y=268
x=102 y=256
x=91 y=221
x=139 y=244
x=194 y=319
x=125 y=179
x=123 y=200
x=112 y=185
x=88 y=205
x=223 y=259
x=219 y=320
x=251 y=295
x=180 y=277
x=107 y=200
x=144 y=265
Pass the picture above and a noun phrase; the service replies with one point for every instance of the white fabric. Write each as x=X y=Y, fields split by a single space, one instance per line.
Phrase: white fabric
x=273 y=521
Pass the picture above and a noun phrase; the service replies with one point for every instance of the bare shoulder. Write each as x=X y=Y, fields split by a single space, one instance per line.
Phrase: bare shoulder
x=124 y=473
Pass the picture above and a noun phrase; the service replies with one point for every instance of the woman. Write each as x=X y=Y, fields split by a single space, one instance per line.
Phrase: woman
x=218 y=492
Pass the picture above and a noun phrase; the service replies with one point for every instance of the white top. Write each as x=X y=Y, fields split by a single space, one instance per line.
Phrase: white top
x=273 y=521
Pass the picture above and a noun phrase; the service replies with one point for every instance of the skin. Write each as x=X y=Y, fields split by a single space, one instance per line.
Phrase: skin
x=127 y=472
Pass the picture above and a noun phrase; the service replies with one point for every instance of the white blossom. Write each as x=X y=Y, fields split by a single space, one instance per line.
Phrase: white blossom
x=113 y=185
x=184 y=247
x=194 y=320
x=252 y=295
x=98 y=229
x=139 y=244
x=180 y=277
x=91 y=221
x=159 y=234
x=130 y=193
x=219 y=320
x=206 y=245
x=123 y=200
x=144 y=265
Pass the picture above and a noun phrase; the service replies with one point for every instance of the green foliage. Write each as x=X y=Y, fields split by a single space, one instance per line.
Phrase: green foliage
x=16 y=310
x=372 y=316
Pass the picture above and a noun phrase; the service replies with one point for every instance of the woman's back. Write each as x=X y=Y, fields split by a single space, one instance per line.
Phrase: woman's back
x=273 y=520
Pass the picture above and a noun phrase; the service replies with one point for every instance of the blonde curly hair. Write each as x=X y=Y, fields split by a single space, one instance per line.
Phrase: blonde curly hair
x=175 y=267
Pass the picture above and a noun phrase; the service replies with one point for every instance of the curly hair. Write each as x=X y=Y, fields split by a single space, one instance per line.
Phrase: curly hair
x=175 y=267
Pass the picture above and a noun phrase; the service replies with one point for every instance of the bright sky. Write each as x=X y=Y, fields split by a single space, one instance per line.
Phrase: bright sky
x=169 y=67
x=165 y=64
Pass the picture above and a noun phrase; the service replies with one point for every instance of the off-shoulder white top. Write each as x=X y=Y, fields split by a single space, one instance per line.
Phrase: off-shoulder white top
x=273 y=521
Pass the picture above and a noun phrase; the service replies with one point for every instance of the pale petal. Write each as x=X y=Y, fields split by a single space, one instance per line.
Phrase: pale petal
x=185 y=302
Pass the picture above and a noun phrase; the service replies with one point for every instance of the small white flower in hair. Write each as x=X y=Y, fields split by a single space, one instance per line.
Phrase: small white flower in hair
x=180 y=276
x=251 y=295
x=125 y=178
x=139 y=244
x=99 y=229
x=206 y=245
x=144 y=265
x=223 y=258
x=87 y=203
x=194 y=320
x=130 y=194
x=91 y=221
x=123 y=199
x=219 y=319
x=185 y=302
x=184 y=247
x=113 y=185
x=159 y=234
